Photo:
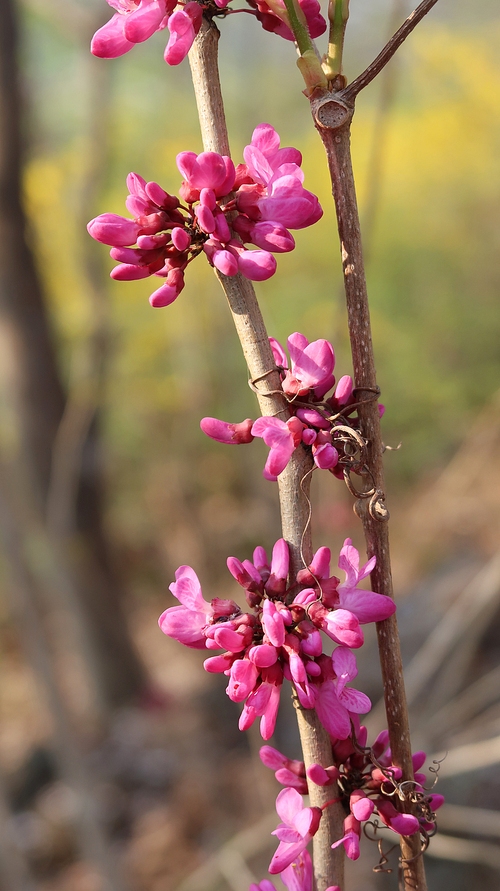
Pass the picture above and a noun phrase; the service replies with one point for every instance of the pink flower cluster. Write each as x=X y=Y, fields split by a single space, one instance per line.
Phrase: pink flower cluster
x=367 y=782
x=316 y=422
x=136 y=20
x=268 y=200
x=281 y=637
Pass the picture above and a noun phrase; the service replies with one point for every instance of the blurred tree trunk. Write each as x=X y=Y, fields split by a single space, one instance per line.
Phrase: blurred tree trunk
x=37 y=402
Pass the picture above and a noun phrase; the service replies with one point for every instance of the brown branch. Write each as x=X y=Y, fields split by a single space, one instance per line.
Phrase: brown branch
x=294 y=482
x=332 y=118
x=366 y=76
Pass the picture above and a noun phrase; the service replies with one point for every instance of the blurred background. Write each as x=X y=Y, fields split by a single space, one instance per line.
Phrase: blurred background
x=121 y=765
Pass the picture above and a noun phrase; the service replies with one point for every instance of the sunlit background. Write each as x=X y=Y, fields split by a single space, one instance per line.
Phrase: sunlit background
x=122 y=766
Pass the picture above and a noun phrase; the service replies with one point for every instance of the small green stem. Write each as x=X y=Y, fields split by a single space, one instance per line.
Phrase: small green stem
x=309 y=62
x=338 y=13
x=298 y=25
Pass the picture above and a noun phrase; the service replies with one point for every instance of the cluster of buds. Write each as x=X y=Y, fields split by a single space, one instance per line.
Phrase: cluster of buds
x=368 y=784
x=261 y=199
x=281 y=637
x=325 y=425
x=136 y=20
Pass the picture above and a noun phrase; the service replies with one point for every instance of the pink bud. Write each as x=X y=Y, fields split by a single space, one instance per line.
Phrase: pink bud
x=183 y=25
x=109 y=42
x=126 y=272
x=227 y=433
x=343 y=390
x=109 y=228
x=257 y=266
x=180 y=238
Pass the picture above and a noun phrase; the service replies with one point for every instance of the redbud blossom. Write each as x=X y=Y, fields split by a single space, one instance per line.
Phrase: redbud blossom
x=168 y=236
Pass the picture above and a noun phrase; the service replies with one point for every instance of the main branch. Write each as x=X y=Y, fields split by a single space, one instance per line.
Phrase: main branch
x=332 y=118
x=295 y=480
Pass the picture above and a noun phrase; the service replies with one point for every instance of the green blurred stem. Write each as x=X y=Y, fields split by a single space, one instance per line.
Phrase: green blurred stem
x=309 y=63
x=294 y=482
x=338 y=13
x=298 y=24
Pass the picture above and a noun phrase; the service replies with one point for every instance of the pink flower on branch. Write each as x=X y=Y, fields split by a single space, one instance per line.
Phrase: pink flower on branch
x=319 y=423
x=367 y=791
x=279 y=639
x=295 y=832
x=136 y=20
x=165 y=235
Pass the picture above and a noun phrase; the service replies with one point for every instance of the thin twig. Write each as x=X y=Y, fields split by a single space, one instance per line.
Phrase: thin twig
x=366 y=76
x=294 y=481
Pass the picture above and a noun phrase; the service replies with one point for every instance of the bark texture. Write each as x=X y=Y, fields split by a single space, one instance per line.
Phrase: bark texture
x=332 y=116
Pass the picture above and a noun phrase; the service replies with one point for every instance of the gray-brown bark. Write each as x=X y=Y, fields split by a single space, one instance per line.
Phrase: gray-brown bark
x=332 y=116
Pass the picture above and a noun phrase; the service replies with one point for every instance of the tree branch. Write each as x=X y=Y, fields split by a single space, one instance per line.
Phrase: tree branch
x=294 y=482
x=350 y=92
x=333 y=119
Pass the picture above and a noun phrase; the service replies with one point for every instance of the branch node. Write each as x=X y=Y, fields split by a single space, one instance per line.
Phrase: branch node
x=331 y=113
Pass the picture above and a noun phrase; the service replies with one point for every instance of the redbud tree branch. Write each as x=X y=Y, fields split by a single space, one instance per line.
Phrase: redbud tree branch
x=332 y=117
x=366 y=76
x=293 y=482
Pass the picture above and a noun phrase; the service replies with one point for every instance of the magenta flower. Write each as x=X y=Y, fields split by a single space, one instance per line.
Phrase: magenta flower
x=282 y=439
x=137 y=20
x=367 y=791
x=299 y=875
x=263 y=702
x=351 y=837
x=272 y=19
x=277 y=639
x=295 y=832
x=185 y=622
x=306 y=383
x=164 y=235
x=336 y=704
x=366 y=605
x=312 y=366
x=183 y=25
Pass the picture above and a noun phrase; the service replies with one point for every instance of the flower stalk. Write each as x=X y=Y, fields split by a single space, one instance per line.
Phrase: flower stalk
x=338 y=14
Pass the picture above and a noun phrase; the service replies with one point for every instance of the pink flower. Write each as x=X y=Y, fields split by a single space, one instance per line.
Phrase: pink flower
x=272 y=19
x=366 y=605
x=350 y=839
x=109 y=228
x=263 y=702
x=183 y=25
x=282 y=438
x=134 y=22
x=312 y=366
x=228 y=433
x=299 y=875
x=137 y=20
x=168 y=236
x=336 y=703
x=295 y=832
x=185 y=623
